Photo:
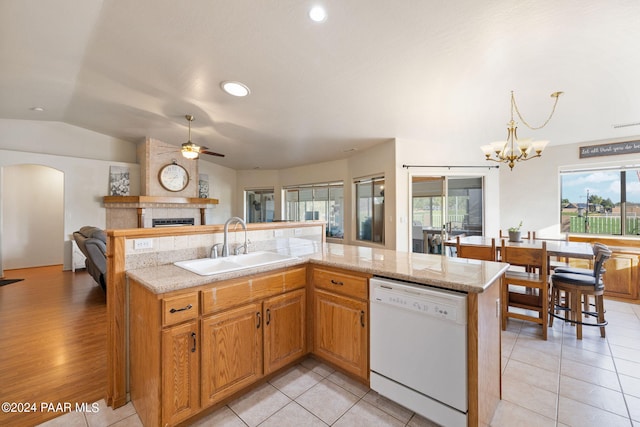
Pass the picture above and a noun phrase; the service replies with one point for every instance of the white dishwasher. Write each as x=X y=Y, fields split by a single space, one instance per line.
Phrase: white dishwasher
x=418 y=349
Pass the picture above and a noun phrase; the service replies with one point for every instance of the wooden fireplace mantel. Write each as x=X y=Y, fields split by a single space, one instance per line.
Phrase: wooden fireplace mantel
x=142 y=202
x=159 y=200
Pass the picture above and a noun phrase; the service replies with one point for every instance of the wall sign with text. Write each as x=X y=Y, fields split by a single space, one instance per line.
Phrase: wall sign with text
x=629 y=147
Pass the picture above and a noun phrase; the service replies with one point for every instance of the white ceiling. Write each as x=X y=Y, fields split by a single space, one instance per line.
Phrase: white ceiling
x=440 y=71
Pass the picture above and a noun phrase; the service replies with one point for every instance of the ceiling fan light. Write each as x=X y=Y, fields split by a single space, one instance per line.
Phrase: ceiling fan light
x=190 y=154
x=235 y=88
x=190 y=150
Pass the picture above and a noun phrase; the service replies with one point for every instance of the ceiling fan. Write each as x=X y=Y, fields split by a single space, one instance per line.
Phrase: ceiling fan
x=191 y=150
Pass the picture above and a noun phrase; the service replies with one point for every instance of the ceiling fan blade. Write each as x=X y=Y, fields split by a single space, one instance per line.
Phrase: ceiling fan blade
x=211 y=153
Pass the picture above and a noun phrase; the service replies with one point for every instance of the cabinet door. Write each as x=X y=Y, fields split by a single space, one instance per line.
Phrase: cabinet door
x=180 y=373
x=284 y=329
x=231 y=351
x=621 y=277
x=341 y=332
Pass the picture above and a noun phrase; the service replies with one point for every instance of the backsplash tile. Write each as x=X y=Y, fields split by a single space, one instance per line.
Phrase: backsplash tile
x=169 y=249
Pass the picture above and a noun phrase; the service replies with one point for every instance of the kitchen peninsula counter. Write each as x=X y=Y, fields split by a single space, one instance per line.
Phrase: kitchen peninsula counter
x=458 y=274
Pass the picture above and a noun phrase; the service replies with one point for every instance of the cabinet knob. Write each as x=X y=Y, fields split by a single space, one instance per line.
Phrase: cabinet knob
x=335 y=282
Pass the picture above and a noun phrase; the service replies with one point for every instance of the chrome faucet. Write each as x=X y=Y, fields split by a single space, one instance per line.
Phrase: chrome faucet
x=225 y=245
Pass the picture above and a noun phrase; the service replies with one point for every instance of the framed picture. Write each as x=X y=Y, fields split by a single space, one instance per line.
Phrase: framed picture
x=119 y=184
x=203 y=186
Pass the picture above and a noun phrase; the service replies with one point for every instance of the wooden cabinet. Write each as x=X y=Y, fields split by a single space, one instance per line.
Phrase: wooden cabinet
x=284 y=330
x=341 y=320
x=191 y=349
x=180 y=372
x=231 y=351
x=621 y=277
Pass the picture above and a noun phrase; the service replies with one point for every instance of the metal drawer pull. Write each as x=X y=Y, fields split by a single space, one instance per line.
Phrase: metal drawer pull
x=268 y=316
x=193 y=336
x=335 y=282
x=258 y=315
x=175 y=310
x=362 y=318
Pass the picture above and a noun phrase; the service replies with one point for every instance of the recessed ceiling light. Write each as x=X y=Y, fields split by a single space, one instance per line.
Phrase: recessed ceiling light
x=37 y=109
x=235 y=88
x=318 y=14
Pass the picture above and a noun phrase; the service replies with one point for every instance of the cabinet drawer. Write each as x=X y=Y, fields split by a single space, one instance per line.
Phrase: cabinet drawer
x=342 y=283
x=179 y=308
x=238 y=292
x=295 y=279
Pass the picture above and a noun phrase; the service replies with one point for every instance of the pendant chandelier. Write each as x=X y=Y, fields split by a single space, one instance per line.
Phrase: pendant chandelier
x=513 y=149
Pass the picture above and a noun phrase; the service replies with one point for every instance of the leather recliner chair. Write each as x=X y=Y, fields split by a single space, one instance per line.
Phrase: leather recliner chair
x=92 y=241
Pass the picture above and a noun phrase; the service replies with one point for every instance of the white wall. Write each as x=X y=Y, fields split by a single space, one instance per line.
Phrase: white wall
x=531 y=191
x=86 y=180
x=32 y=231
x=222 y=186
x=373 y=161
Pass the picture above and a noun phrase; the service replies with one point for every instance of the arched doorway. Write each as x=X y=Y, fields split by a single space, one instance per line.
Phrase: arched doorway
x=32 y=213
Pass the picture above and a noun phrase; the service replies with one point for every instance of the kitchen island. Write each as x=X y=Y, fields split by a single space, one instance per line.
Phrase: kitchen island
x=183 y=327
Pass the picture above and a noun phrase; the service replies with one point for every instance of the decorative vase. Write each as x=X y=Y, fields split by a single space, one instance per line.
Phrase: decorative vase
x=514 y=236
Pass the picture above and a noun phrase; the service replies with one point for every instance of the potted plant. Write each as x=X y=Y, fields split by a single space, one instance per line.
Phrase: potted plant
x=514 y=233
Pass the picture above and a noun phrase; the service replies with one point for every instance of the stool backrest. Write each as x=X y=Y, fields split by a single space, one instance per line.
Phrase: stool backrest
x=602 y=255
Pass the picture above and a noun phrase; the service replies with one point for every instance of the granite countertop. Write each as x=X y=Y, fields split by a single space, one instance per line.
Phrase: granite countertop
x=450 y=273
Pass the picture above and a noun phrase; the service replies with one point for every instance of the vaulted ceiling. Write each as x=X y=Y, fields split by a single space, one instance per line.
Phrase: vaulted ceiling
x=431 y=70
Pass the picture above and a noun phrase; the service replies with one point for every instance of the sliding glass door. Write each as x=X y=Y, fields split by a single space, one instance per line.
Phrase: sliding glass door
x=444 y=206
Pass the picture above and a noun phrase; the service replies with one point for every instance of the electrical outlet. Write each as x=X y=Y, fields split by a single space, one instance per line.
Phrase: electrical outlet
x=297 y=232
x=142 y=244
x=278 y=233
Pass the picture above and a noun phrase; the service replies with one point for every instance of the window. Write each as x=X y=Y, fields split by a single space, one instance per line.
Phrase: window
x=260 y=205
x=605 y=202
x=324 y=202
x=370 y=210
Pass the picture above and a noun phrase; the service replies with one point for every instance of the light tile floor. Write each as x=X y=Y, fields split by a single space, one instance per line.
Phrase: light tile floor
x=559 y=382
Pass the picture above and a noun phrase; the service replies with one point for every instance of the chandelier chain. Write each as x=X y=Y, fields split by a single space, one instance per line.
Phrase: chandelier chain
x=556 y=95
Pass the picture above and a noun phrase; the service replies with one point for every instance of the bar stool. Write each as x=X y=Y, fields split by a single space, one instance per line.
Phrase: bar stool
x=588 y=271
x=578 y=288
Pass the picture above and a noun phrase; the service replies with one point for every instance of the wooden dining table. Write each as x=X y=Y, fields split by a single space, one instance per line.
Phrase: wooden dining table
x=557 y=248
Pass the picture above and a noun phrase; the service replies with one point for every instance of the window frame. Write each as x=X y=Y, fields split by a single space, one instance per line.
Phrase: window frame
x=372 y=207
x=286 y=190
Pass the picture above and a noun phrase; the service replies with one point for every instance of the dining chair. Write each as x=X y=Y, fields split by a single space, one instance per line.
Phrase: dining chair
x=578 y=287
x=481 y=252
x=557 y=262
x=524 y=292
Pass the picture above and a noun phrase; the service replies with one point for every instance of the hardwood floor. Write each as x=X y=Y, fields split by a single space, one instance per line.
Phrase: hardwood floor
x=53 y=333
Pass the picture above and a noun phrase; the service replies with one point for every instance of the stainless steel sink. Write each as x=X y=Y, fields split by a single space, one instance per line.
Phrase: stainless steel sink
x=211 y=266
